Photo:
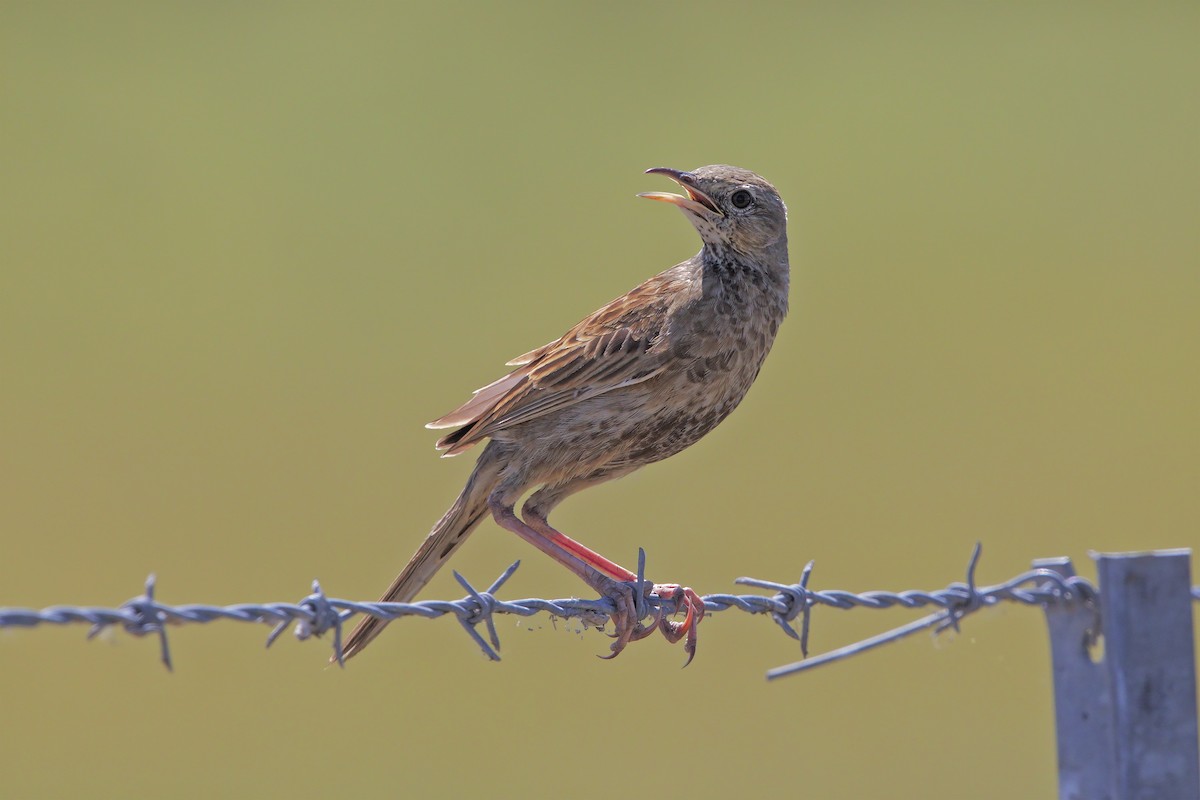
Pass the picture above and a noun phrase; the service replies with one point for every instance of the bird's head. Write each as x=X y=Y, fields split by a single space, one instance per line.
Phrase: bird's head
x=729 y=206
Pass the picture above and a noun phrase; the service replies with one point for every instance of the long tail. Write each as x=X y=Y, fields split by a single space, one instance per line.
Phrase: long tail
x=447 y=536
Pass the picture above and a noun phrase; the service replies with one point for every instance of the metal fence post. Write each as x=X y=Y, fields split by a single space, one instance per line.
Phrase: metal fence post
x=1126 y=718
x=1081 y=702
x=1151 y=664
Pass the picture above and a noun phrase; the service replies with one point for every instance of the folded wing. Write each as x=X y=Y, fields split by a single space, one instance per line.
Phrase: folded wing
x=611 y=349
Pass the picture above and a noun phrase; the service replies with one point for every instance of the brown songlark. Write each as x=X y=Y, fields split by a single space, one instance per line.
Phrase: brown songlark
x=637 y=381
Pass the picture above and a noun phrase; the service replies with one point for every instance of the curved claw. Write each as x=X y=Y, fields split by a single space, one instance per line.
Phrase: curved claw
x=674 y=631
x=628 y=628
x=625 y=635
x=641 y=631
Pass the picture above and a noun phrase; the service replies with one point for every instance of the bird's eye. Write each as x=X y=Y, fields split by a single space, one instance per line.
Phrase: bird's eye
x=741 y=199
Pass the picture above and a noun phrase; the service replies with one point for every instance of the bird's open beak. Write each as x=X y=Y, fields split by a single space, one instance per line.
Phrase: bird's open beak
x=696 y=201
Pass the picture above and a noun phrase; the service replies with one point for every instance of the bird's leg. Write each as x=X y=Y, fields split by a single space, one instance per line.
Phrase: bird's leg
x=620 y=589
x=607 y=578
x=535 y=518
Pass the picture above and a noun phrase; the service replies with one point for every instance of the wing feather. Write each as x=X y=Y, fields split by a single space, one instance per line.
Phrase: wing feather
x=611 y=349
x=525 y=358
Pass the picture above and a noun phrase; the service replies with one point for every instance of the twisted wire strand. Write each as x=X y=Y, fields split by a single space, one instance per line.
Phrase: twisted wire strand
x=317 y=614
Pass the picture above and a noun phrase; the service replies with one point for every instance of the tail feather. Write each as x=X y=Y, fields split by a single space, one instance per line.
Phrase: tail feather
x=446 y=537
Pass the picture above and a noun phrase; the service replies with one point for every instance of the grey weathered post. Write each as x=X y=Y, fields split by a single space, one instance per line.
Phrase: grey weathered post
x=1151 y=659
x=1126 y=721
x=1081 y=712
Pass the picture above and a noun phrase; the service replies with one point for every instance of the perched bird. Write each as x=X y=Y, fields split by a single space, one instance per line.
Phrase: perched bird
x=637 y=381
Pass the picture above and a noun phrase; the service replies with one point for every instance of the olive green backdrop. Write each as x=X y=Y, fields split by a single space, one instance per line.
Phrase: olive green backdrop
x=248 y=249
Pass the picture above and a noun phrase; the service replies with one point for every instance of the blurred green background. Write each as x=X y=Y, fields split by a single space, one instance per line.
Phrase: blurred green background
x=249 y=249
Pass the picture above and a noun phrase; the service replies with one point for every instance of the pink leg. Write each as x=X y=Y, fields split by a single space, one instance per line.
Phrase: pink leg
x=584 y=553
x=589 y=572
x=627 y=629
x=589 y=566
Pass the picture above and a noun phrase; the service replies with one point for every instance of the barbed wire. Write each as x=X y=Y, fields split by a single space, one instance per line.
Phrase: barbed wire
x=317 y=614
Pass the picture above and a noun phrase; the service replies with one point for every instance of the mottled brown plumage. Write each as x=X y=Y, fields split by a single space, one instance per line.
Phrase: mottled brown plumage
x=637 y=381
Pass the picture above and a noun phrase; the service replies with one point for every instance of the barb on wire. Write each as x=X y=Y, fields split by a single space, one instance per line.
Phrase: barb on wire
x=1034 y=587
x=316 y=613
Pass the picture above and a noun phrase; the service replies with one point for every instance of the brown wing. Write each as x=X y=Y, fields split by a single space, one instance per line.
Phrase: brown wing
x=612 y=348
x=532 y=355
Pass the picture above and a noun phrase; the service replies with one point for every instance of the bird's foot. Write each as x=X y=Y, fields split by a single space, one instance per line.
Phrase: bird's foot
x=625 y=620
x=674 y=631
x=629 y=628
